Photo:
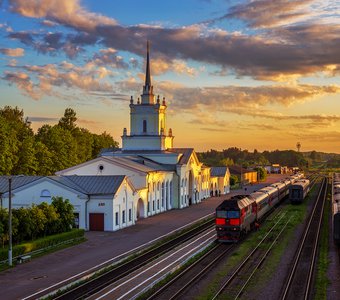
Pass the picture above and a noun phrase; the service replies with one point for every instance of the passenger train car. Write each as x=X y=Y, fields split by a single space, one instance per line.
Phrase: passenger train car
x=298 y=190
x=238 y=215
x=336 y=208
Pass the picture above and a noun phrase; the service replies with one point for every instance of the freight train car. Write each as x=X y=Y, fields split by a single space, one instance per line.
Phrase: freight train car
x=298 y=190
x=336 y=208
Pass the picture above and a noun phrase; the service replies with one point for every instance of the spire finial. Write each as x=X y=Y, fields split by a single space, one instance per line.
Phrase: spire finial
x=147 y=75
x=147 y=96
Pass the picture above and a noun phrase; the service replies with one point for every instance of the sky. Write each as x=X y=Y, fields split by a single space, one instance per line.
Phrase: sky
x=256 y=74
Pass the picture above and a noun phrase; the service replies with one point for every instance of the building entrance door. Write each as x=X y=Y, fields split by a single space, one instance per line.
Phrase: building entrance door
x=97 y=222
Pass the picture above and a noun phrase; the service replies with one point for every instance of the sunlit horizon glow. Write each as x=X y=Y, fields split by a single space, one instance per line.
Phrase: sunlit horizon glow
x=249 y=74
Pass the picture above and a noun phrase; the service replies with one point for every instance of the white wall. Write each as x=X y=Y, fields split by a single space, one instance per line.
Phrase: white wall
x=31 y=194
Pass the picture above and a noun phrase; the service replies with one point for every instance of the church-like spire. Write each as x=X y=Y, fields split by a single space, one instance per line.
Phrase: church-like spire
x=147 y=72
x=147 y=96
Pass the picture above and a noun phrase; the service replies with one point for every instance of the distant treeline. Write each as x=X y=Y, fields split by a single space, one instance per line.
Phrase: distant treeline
x=51 y=149
x=236 y=156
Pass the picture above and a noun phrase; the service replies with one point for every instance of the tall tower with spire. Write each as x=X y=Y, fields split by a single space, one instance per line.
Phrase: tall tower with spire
x=147 y=119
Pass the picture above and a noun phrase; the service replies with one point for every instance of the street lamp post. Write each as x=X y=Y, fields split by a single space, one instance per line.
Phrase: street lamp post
x=10 y=220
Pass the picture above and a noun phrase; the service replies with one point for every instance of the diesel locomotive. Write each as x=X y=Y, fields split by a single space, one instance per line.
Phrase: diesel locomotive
x=238 y=215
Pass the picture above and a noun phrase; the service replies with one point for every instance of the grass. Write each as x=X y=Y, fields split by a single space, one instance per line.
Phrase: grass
x=56 y=248
x=321 y=281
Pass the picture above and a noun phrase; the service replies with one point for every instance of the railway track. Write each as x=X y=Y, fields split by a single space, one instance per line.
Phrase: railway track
x=103 y=280
x=300 y=278
x=236 y=282
x=182 y=281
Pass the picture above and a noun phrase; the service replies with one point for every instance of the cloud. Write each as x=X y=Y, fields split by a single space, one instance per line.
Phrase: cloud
x=238 y=98
x=163 y=65
x=279 y=53
x=59 y=79
x=23 y=82
x=48 y=23
x=42 y=119
x=108 y=57
x=12 y=51
x=65 y=12
x=5 y=26
x=268 y=13
x=321 y=137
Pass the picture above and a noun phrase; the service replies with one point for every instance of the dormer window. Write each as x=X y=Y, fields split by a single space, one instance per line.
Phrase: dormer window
x=144 y=126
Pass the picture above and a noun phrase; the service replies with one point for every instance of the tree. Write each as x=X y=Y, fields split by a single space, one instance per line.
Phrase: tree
x=233 y=180
x=44 y=159
x=84 y=144
x=27 y=163
x=38 y=221
x=61 y=145
x=3 y=226
x=25 y=224
x=52 y=217
x=65 y=211
x=101 y=141
x=68 y=121
x=8 y=147
x=262 y=173
x=227 y=162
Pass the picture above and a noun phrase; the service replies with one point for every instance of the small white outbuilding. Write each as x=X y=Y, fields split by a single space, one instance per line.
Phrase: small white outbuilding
x=102 y=203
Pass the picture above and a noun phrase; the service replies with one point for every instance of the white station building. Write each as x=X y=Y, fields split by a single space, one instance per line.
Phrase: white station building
x=156 y=176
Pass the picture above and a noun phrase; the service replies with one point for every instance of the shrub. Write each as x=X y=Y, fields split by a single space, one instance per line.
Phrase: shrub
x=42 y=243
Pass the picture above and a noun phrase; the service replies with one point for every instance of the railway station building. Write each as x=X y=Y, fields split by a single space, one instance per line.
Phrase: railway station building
x=153 y=175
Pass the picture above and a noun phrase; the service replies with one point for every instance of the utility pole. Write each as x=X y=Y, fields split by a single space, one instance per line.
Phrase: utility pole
x=10 y=220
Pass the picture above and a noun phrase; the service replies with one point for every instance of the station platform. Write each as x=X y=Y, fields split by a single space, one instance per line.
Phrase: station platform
x=24 y=280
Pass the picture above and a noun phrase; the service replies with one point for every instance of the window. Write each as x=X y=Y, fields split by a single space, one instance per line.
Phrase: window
x=157 y=203
x=153 y=205
x=45 y=193
x=130 y=215
x=163 y=194
x=148 y=206
x=123 y=216
x=76 y=220
x=117 y=219
x=144 y=126
x=221 y=214
x=233 y=214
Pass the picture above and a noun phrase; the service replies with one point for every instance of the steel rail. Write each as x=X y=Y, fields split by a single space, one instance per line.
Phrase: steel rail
x=242 y=264
x=315 y=248
x=93 y=285
x=262 y=260
x=197 y=275
x=299 y=251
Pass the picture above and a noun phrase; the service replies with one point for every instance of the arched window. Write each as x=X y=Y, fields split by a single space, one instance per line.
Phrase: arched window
x=45 y=194
x=144 y=126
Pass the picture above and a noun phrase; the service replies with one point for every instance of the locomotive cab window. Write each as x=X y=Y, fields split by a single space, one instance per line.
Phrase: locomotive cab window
x=221 y=214
x=233 y=214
